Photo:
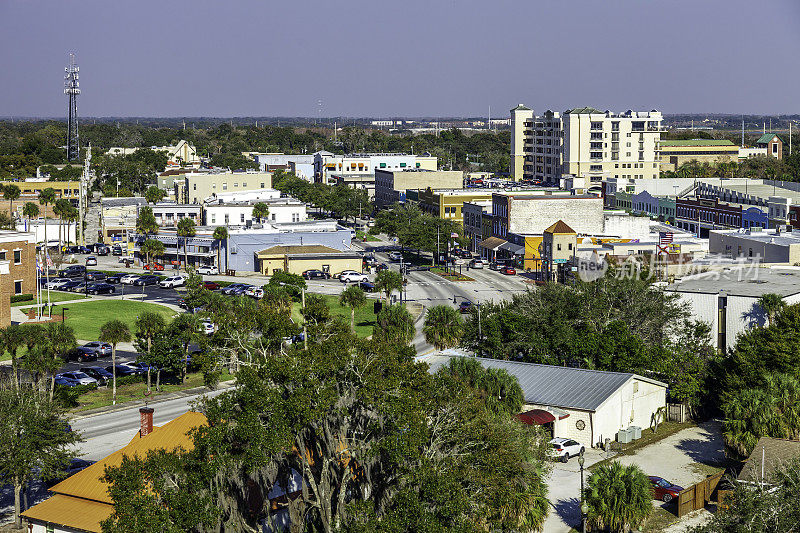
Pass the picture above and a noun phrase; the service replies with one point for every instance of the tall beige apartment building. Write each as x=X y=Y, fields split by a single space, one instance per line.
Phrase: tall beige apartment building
x=585 y=142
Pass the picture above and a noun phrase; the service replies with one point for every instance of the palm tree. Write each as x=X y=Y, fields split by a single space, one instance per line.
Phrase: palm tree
x=11 y=192
x=55 y=343
x=388 y=281
x=152 y=248
x=30 y=210
x=114 y=332
x=221 y=234
x=353 y=297
x=146 y=223
x=148 y=325
x=771 y=304
x=153 y=194
x=186 y=230
x=11 y=340
x=443 y=327
x=46 y=197
x=260 y=210
x=394 y=326
x=619 y=497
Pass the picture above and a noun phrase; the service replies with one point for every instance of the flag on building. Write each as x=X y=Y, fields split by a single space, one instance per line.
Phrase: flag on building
x=664 y=237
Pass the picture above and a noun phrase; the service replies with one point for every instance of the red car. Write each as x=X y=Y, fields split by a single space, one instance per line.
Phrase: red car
x=154 y=266
x=508 y=271
x=210 y=285
x=663 y=489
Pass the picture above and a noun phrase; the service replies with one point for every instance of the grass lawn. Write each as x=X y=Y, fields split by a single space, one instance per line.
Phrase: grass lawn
x=87 y=317
x=55 y=296
x=452 y=275
x=365 y=318
x=136 y=391
x=370 y=238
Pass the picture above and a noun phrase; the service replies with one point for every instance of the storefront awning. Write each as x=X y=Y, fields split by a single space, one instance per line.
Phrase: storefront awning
x=540 y=417
x=515 y=249
x=492 y=243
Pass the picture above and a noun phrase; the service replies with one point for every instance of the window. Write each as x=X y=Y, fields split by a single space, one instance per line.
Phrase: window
x=18 y=286
x=558 y=246
x=3 y=255
x=194 y=187
x=213 y=218
x=17 y=257
x=235 y=183
x=569 y=246
x=273 y=217
x=244 y=184
x=225 y=186
x=262 y=184
x=227 y=219
x=241 y=217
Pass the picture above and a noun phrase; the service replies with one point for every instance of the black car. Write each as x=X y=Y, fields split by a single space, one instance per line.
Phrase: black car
x=114 y=278
x=123 y=370
x=233 y=288
x=97 y=372
x=116 y=250
x=84 y=354
x=72 y=271
x=101 y=288
x=316 y=274
x=84 y=250
x=68 y=286
x=95 y=275
x=381 y=266
x=465 y=306
x=146 y=280
x=367 y=286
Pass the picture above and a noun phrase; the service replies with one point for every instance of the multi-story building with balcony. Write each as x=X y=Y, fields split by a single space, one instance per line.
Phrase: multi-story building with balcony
x=602 y=145
x=536 y=143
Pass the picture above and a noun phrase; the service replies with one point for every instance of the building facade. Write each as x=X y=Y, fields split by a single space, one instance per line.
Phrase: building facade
x=530 y=213
x=772 y=144
x=675 y=153
x=391 y=185
x=326 y=163
x=168 y=215
x=196 y=188
x=700 y=215
x=241 y=213
x=766 y=246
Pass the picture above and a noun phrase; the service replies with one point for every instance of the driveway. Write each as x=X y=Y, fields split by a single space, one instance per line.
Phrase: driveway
x=683 y=458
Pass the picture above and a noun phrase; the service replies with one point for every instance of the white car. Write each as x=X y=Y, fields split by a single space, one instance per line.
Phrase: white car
x=128 y=279
x=124 y=258
x=79 y=377
x=208 y=270
x=395 y=256
x=173 y=281
x=208 y=327
x=563 y=449
x=476 y=263
x=351 y=276
x=53 y=283
x=255 y=292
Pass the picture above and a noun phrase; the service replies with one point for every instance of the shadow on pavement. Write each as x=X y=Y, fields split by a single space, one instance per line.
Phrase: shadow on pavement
x=569 y=511
x=708 y=448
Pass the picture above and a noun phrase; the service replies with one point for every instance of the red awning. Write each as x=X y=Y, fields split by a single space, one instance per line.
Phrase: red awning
x=538 y=417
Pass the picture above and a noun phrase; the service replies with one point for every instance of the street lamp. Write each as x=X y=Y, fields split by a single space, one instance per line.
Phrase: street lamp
x=63 y=318
x=584 y=507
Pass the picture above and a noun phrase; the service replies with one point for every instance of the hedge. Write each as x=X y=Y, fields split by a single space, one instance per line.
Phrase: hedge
x=21 y=298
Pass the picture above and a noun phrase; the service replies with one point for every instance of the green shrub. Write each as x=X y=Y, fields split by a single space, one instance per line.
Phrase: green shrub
x=21 y=298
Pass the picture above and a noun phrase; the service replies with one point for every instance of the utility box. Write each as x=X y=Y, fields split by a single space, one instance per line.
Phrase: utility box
x=637 y=432
x=624 y=436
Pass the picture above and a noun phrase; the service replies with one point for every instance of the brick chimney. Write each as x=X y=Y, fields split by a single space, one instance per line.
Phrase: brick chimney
x=146 y=421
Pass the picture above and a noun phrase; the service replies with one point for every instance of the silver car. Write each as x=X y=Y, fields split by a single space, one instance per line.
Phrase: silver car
x=79 y=377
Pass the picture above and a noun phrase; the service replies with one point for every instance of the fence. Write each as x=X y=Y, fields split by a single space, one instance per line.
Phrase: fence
x=698 y=495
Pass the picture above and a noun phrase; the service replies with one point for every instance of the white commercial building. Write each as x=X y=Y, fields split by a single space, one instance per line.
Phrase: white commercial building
x=182 y=154
x=589 y=406
x=258 y=195
x=281 y=210
x=531 y=212
x=168 y=214
x=301 y=164
x=766 y=246
x=326 y=163
x=728 y=300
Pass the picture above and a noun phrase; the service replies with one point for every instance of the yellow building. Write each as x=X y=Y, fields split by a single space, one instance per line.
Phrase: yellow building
x=559 y=244
x=448 y=203
x=674 y=154
x=298 y=259
x=64 y=189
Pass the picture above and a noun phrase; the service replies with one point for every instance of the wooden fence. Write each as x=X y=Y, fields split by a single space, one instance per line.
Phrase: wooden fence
x=698 y=495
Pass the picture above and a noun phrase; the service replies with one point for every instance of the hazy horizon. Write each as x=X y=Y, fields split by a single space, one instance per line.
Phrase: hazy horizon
x=449 y=58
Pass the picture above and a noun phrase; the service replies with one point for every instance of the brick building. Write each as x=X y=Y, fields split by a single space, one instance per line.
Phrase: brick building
x=17 y=269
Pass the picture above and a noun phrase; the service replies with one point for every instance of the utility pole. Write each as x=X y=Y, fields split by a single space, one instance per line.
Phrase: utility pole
x=436 y=261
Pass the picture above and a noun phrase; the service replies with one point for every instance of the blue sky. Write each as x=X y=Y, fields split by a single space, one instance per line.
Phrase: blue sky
x=409 y=58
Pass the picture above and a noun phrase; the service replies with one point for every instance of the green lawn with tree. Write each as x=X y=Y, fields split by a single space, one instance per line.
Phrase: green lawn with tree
x=364 y=317
x=86 y=318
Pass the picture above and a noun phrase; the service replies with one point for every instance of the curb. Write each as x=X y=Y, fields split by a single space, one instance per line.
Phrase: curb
x=159 y=399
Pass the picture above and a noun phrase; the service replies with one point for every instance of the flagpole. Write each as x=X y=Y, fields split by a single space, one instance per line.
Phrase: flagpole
x=47 y=264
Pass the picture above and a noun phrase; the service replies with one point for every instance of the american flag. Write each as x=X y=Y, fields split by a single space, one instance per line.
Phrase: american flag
x=49 y=261
x=664 y=238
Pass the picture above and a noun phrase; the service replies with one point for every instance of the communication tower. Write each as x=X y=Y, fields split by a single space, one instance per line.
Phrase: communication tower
x=72 y=90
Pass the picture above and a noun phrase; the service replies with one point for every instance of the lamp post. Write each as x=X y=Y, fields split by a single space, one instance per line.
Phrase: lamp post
x=63 y=317
x=584 y=507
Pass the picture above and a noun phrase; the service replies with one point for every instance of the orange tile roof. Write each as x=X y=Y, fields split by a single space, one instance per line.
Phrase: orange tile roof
x=559 y=227
x=75 y=513
x=91 y=493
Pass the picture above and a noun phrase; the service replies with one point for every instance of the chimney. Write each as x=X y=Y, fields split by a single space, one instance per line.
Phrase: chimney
x=146 y=421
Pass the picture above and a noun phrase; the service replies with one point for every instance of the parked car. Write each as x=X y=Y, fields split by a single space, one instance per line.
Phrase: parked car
x=72 y=271
x=139 y=368
x=465 y=306
x=395 y=256
x=208 y=270
x=241 y=290
x=95 y=275
x=352 y=277
x=56 y=282
x=79 y=287
x=114 y=278
x=233 y=288
x=83 y=250
x=125 y=259
x=173 y=281
x=381 y=266
x=211 y=285
x=116 y=250
x=101 y=249
x=83 y=354
x=208 y=327
x=128 y=279
x=91 y=260
x=101 y=288
x=80 y=377
x=316 y=274
x=255 y=292
x=98 y=373
x=102 y=349
x=68 y=286
x=563 y=449
x=496 y=266
x=66 y=382
x=146 y=280
x=367 y=286
x=154 y=267
x=508 y=271
x=664 y=490
x=123 y=370
x=476 y=263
